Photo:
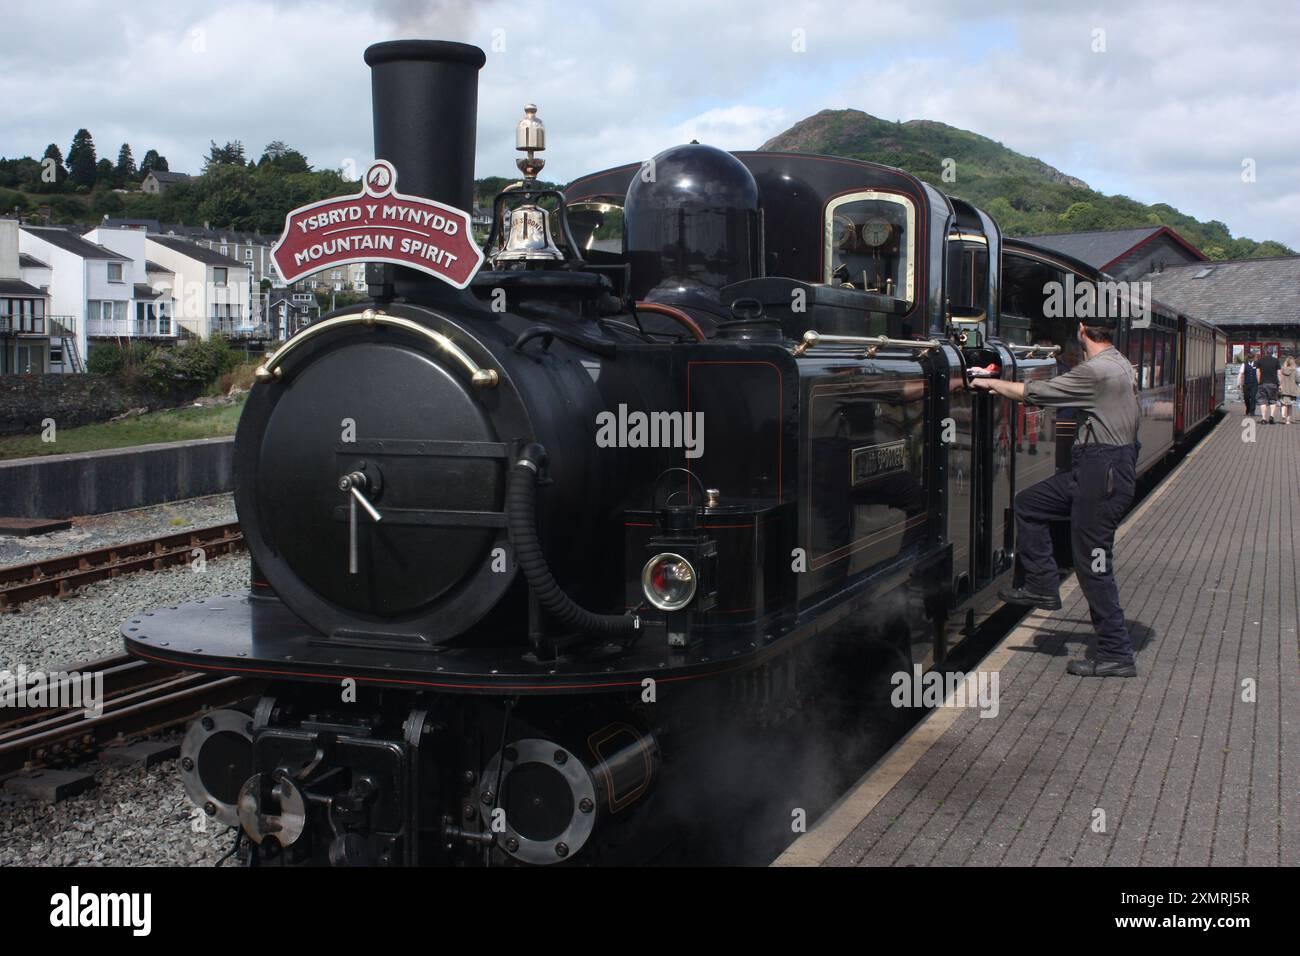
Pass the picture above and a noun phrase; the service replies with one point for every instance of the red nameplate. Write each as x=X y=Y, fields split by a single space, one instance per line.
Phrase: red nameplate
x=378 y=224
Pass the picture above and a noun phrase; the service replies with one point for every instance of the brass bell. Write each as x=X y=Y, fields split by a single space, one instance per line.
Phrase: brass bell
x=528 y=235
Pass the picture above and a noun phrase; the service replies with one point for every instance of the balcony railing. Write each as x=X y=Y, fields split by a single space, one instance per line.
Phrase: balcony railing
x=125 y=328
x=42 y=325
x=236 y=327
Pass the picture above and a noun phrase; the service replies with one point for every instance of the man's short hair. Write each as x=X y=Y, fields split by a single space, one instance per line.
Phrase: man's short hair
x=1098 y=333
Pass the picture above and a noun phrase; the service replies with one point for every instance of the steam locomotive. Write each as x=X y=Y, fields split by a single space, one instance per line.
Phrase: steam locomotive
x=516 y=546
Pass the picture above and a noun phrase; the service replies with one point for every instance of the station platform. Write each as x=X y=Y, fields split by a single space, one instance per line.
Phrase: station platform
x=1194 y=762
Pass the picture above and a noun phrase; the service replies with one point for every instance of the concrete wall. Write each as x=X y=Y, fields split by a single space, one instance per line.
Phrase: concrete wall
x=63 y=486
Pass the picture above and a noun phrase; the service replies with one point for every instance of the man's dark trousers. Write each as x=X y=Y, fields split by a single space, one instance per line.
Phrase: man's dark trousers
x=1093 y=495
x=1251 y=391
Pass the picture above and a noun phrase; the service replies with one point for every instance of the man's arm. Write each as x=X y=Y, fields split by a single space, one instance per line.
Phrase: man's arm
x=1013 y=390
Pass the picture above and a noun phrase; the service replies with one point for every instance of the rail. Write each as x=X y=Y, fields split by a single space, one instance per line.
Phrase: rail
x=138 y=698
x=59 y=576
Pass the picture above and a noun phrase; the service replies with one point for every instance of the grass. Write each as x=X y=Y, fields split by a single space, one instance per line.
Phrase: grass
x=174 y=424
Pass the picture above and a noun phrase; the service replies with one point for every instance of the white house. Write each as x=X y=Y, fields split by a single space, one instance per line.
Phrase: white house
x=210 y=290
x=24 y=342
x=152 y=307
x=86 y=280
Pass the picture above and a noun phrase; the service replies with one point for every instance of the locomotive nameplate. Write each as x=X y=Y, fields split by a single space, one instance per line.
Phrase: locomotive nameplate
x=873 y=460
x=378 y=224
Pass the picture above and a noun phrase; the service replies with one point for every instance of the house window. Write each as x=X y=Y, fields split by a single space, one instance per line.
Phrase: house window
x=248 y=252
x=225 y=250
x=115 y=272
x=219 y=275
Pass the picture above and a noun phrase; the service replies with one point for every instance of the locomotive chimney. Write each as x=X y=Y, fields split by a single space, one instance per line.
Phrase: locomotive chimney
x=425 y=95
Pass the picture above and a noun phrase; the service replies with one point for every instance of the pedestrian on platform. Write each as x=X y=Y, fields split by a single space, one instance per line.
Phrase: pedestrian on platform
x=1093 y=494
x=1248 y=382
x=1290 y=388
x=1267 y=367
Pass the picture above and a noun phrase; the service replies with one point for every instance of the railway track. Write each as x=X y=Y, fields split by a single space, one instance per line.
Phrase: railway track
x=138 y=698
x=60 y=576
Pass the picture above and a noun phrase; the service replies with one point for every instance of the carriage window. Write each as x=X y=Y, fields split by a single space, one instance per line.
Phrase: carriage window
x=1144 y=374
x=869 y=243
x=597 y=226
x=1133 y=352
x=1159 y=366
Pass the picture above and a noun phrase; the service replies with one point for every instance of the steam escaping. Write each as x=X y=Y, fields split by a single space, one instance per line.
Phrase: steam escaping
x=432 y=19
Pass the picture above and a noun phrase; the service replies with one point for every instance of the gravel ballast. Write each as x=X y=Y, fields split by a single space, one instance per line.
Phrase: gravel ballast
x=119 y=527
x=85 y=626
x=133 y=817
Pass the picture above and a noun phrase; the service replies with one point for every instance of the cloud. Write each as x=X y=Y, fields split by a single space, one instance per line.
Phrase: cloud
x=1183 y=92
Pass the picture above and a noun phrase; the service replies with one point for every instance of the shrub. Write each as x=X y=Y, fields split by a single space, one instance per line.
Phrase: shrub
x=121 y=362
x=188 y=367
x=104 y=359
x=240 y=377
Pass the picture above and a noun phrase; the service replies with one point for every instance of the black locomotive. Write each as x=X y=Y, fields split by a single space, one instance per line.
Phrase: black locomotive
x=515 y=546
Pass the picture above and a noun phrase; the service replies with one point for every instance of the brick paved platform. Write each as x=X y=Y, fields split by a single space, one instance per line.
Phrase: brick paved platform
x=1185 y=771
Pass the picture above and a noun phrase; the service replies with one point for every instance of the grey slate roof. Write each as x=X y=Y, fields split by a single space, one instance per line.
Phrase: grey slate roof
x=30 y=262
x=166 y=176
x=19 y=287
x=74 y=244
x=1098 y=249
x=144 y=292
x=149 y=225
x=195 y=251
x=1235 y=292
x=151 y=266
x=217 y=235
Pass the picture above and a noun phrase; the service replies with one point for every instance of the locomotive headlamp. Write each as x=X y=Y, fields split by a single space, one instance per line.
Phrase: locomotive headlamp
x=669 y=581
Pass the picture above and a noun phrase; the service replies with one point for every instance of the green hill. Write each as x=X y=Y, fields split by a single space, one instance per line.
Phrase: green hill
x=1025 y=195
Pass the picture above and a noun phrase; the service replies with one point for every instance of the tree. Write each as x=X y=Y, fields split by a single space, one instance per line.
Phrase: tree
x=282 y=158
x=81 y=159
x=229 y=155
x=124 y=171
x=153 y=161
x=229 y=197
x=106 y=203
x=52 y=174
x=104 y=173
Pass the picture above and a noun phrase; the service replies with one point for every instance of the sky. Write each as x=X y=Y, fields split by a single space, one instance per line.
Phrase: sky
x=1189 y=102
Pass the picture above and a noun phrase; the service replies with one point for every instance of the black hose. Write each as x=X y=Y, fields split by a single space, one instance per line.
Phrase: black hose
x=521 y=522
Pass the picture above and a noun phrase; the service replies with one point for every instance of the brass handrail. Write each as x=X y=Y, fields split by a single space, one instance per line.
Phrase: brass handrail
x=479 y=377
x=873 y=344
x=1031 y=351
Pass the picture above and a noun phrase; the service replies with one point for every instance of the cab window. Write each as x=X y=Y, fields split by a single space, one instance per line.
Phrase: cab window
x=869 y=243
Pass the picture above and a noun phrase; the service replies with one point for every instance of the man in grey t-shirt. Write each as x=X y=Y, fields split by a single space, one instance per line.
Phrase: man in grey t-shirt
x=1093 y=494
